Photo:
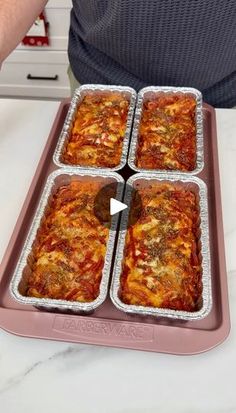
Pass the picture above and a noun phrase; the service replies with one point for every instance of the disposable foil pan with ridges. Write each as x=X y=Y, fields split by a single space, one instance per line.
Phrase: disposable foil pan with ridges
x=68 y=124
x=150 y=91
x=200 y=189
x=22 y=271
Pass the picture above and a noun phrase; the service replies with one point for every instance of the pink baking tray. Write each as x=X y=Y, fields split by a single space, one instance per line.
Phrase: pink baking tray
x=107 y=325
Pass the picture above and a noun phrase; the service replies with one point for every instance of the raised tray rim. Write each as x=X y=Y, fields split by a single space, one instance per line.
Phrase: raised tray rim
x=39 y=325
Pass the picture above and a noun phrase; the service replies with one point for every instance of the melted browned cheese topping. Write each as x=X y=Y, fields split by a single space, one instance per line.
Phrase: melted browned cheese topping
x=167 y=135
x=161 y=266
x=98 y=131
x=70 y=246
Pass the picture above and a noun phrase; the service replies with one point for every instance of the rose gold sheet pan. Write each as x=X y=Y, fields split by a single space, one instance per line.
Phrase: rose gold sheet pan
x=107 y=325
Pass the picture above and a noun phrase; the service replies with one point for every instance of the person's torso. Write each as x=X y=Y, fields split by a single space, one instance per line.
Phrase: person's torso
x=159 y=42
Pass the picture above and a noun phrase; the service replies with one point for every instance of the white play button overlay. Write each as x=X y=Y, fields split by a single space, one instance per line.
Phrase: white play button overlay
x=107 y=203
x=116 y=206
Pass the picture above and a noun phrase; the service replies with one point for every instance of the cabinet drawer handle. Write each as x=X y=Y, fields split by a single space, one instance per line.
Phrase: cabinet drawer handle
x=29 y=76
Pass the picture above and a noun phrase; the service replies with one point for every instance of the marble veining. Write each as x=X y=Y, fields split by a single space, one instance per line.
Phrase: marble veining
x=15 y=380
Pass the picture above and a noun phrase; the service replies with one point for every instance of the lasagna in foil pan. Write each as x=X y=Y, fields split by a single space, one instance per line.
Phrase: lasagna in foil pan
x=167 y=134
x=66 y=260
x=97 y=128
x=162 y=266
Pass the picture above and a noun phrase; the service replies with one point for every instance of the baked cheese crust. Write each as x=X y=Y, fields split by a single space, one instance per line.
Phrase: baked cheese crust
x=98 y=131
x=69 y=250
x=167 y=134
x=161 y=266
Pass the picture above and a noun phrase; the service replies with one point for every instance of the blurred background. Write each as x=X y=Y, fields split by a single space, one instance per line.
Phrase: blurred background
x=38 y=66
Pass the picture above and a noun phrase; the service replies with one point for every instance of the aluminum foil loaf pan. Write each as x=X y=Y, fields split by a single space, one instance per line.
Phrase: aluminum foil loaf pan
x=23 y=270
x=79 y=94
x=151 y=92
x=204 y=303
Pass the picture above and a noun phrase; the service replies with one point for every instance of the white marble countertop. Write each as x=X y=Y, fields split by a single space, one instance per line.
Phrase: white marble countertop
x=49 y=376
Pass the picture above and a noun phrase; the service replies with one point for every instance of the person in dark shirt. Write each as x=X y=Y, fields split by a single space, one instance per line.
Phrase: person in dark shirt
x=140 y=43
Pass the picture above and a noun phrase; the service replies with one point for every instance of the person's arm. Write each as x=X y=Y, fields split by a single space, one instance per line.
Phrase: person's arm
x=16 y=17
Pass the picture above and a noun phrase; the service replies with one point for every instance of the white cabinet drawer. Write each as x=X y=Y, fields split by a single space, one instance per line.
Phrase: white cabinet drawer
x=34 y=56
x=18 y=73
x=28 y=79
